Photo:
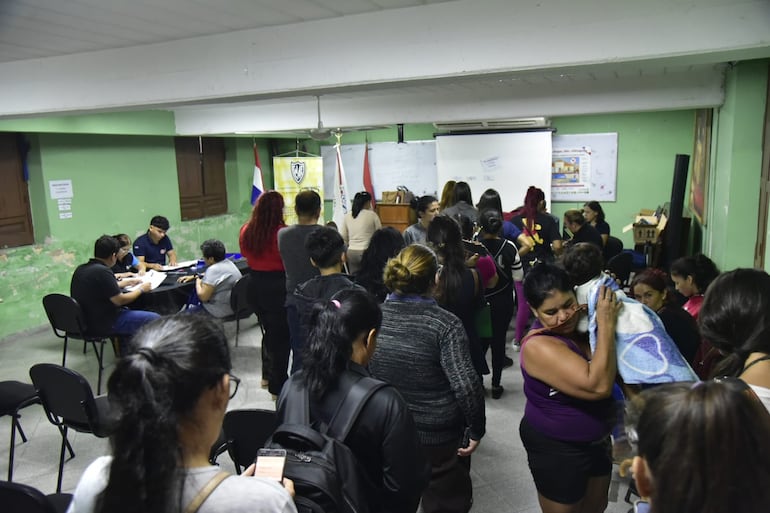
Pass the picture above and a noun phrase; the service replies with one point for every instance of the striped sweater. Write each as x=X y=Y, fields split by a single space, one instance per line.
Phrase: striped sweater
x=422 y=350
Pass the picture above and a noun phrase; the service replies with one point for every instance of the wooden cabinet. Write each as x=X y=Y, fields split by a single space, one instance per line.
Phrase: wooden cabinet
x=397 y=215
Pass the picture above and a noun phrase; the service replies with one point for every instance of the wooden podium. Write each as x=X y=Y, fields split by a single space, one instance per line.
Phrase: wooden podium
x=397 y=215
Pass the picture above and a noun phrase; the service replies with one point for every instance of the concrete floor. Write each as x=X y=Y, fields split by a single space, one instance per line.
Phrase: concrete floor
x=501 y=478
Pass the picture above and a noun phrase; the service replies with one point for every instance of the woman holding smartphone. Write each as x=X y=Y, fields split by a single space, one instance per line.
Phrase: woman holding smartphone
x=569 y=411
x=383 y=438
x=171 y=396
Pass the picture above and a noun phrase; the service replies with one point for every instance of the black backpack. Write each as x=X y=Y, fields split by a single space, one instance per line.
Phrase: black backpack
x=327 y=476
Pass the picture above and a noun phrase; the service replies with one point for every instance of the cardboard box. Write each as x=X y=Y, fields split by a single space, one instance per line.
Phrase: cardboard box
x=647 y=226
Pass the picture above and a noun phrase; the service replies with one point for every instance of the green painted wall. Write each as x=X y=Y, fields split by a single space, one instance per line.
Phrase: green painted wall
x=145 y=122
x=119 y=183
x=647 y=145
x=730 y=234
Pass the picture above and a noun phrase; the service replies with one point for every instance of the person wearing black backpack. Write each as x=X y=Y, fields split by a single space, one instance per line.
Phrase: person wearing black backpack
x=501 y=296
x=382 y=435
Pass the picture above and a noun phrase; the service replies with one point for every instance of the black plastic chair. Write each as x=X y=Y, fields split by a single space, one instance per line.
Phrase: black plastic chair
x=67 y=320
x=613 y=248
x=621 y=266
x=239 y=302
x=69 y=402
x=246 y=431
x=21 y=498
x=15 y=396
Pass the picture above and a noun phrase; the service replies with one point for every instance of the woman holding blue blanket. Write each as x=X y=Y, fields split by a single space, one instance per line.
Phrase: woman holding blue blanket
x=569 y=412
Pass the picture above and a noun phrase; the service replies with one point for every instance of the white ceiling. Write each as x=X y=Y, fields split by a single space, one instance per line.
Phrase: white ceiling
x=32 y=29
x=256 y=65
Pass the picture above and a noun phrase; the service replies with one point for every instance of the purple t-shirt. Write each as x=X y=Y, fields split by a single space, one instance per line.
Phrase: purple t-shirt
x=559 y=416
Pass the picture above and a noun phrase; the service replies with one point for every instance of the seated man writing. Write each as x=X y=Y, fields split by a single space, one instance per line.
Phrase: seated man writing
x=152 y=248
x=214 y=287
x=94 y=286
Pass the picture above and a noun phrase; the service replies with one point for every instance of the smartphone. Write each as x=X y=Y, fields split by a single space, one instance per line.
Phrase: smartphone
x=270 y=463
x=641 y=506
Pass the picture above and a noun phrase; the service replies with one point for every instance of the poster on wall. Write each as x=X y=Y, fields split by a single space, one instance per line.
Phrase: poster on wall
x=584 y=167
x=294 y=174
x=699 y=178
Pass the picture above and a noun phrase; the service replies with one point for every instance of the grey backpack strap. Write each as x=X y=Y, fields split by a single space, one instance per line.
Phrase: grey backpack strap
x=296 y=399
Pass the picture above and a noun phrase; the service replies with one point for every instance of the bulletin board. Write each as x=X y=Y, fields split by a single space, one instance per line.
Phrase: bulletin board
x=584 y=167
x=411 y=164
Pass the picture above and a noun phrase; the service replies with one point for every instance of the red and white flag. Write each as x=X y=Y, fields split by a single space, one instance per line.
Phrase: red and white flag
x=368 y=187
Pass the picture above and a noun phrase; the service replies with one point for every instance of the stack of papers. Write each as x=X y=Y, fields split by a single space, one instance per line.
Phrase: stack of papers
x=181 y=265
x=153 y=277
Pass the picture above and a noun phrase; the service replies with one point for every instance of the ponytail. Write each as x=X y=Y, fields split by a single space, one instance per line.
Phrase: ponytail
x=336 y=324
x=153 y=390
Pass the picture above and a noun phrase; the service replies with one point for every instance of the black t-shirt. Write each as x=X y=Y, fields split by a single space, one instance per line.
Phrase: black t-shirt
x=543 y=233
x=93 y=284
x=506 y=259
x=682 y=328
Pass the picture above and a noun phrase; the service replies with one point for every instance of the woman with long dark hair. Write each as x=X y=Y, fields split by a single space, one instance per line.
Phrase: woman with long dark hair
x=501 y=296
x=490 y=200
x=650 y=288
x=692 y=275
x=267 y=288
x=702 y=448
x=735 y=318
x=460 y=289
x=594 y=214
x=462 y=203
x=357 y=229
x=422 y=350
x=384 y=438
x=385 y=244
x=171 y=396
x=427 y=209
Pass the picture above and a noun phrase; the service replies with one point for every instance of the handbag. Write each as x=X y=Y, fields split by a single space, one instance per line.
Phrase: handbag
x=483 y=320
x=483 y=316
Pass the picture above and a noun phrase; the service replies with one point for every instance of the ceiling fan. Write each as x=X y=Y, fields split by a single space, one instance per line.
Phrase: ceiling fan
x=322 y=133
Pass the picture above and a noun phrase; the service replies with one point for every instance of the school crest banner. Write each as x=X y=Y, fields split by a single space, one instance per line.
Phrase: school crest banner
x=294 y=174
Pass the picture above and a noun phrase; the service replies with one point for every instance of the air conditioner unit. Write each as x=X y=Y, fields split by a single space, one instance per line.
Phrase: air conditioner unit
x=496 y=124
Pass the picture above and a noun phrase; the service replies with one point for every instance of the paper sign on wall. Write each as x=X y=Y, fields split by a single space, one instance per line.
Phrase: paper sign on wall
x=60 y=188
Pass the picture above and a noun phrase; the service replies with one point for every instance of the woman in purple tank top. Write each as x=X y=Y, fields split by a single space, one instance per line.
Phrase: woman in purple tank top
x=569 y=411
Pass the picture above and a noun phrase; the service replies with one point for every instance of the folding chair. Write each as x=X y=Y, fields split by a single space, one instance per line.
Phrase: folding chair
x=15 y=396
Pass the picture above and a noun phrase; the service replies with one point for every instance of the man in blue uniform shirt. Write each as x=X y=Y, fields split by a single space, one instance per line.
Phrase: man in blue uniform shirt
x=153 y=247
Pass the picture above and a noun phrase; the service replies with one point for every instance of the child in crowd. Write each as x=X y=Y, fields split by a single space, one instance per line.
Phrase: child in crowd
x=326 y=250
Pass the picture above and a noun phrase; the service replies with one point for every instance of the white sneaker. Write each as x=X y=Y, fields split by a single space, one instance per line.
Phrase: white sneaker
x=516 y=347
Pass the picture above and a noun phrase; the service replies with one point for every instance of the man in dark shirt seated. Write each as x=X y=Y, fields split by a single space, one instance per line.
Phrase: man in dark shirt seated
x=153 y=247
x=95 y=287
x=581 y=230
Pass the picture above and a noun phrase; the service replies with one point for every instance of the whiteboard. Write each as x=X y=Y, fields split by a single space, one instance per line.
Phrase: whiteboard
x=584 y=167
x=391 y=164
x=508 y=163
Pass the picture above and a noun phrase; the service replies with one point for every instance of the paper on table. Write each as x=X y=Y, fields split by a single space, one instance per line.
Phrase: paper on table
x=180 y=265
x=153 y=277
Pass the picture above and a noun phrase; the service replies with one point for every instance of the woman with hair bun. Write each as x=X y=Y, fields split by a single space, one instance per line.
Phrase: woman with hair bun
x=422 y=350
x=702 y=448
x=357 y=229
x=171 y=396
x=427 y=209
x=501 y=296
x=649 y=288
x=735 y=319
x=383 y=438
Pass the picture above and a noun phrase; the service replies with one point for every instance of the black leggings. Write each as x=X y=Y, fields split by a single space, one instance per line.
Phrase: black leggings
x=267 y=295
x=502 y=312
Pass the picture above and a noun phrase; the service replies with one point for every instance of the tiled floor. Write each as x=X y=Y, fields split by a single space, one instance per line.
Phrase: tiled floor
x=502 y=482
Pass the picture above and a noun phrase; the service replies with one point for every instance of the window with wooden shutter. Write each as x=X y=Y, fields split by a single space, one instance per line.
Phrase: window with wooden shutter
x=200 y=164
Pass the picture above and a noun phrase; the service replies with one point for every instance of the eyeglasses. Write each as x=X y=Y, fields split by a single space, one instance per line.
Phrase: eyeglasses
x=234 y=384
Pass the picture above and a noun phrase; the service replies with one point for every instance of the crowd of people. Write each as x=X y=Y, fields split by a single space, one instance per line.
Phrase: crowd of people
x=419 y=311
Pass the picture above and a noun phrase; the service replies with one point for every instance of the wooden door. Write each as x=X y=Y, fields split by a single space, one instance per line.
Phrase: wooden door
x=15 y=217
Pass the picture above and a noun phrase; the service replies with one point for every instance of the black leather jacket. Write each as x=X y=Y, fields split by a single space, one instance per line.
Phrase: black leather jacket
x=384 y=440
